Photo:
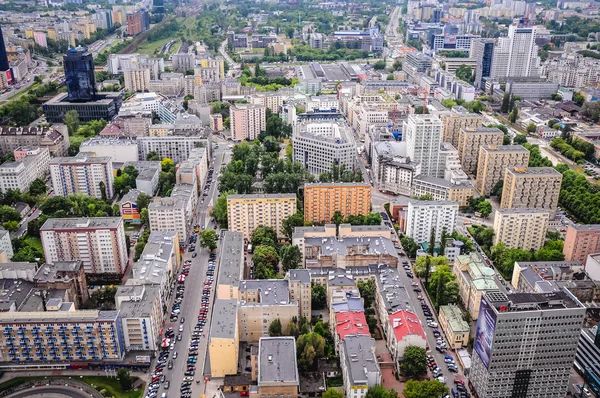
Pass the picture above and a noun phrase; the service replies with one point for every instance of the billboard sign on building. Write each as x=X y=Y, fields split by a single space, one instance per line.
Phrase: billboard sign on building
x=484 y=334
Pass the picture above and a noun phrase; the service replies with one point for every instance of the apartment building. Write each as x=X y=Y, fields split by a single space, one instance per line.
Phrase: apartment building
x=84 y=173
x=64 y=275
x=56 y=139
x=223 y=338
x=261 y=302
x=137 y=79
x=182 y=62
x=404 y=330
x=360 y=368
x=175 y=147
x=6 y=248
x=277 y=370
x=441 y=189
x=469 y=142
x=521 y=228
x=423 y=136
x=317 y=145
x=247 y=212
x=393 y=171
x=322 y=200
x=61 y=334
x=142 y=317
x=300 y=290
x=119 y=150
x=543 y=328
x=169 y=214
x=247 y=121
x=454 y=326
x=231 y=265
x=270 y=100
x=29 y=165
x=531 y=187
x=425 y=215
x=581 y=241
x=458 y=119
x=474 y=279
x=493 y=161
x=348 y=251
x=99 y=243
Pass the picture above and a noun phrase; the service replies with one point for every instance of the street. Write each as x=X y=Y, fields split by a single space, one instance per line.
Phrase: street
x=190 y=307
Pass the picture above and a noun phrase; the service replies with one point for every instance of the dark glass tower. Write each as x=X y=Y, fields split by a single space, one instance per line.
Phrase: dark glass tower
x=79 y=75
x=4 y=66
x=483 y=52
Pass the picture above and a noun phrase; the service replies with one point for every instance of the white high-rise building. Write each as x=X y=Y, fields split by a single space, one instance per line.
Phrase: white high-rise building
x=423 y=138
x=423 y=215
x=523 y=60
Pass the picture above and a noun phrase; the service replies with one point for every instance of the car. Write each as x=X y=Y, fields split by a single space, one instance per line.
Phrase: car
x=181 y=328
x=189 y=373
x=170 y=366
x=459 y=381
x=432 y=324
x=191 y=360
x=194 y=255
x=244 y=394
x=187 y=378
x=167 y=385
x=448 y=360
x=172 y=346
x=193 y=353
x=175 y=355
x=191 y=367
x=416 y=289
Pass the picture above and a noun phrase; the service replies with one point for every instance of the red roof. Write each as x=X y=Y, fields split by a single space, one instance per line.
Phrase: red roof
x=351 y=323
x=406 y=323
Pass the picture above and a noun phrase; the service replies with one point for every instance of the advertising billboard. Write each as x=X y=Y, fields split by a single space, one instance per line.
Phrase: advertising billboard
x=484 y=334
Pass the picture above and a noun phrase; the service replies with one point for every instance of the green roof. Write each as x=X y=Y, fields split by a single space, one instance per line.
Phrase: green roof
x=485 y=284
x=455 y=319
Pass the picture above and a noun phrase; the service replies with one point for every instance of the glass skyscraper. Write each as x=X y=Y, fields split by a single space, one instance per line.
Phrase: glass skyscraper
x=4 y=66
x=79 y=75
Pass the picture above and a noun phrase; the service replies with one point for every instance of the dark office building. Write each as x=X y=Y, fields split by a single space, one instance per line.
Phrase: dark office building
x=4 y=66
x=158 y=6
x=79 y=75
x=106 y=106
x=437 y=15
x=483 y=52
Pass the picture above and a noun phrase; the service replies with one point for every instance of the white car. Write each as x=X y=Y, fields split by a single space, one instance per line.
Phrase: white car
x=181 y=328
x=441 y=379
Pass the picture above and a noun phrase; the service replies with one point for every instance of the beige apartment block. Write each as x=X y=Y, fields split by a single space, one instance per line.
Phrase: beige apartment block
x=247 y=121
x=492 y=162
x=455 y=121
x=521 y=228
x=321 y=201
x=270 y=100
x=137 y=79
x=469 y=142
x=300 y=290
x=531 y=187
x=247 y=212
x=223 y=338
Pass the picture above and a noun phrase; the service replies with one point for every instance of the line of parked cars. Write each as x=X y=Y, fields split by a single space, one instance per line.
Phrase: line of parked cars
x=408 y=270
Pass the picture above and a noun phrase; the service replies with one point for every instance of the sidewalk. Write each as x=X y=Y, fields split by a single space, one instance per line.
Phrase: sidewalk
x=9 y=374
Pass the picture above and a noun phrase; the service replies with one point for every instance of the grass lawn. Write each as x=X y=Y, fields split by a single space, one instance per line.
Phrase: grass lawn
x=111 y=385
x=149 y=48
x=34 y=242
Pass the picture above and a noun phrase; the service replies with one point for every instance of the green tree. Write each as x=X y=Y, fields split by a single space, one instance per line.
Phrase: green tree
x=309 y=348
x=337 y=218
x=275 y=328
x=414 y=362
x=265 y=260
x=485 y=208
x=208 y=239
x=520 y=139
x=125 y=379
x=318 y=296
x=421 y=264
x=367 y=292
x=143 y=201
x=38 y=187
x=409 y=245
x=443 y=238
x=464 y=72
x=443 y=288
x=264 y=236
x=291 y=258
x=497 y=189
x=431 y=247
x=288 y=224
x=11 y=225
x=505 y=103
x=531 y=127
x=72 y=121
x=424 y=389
x=379 y=391
x=379 y=65
x=332 y=393
x=153 y=156
x=513 y=116
x=144 y=218
x=219 y=212
x=578 y=98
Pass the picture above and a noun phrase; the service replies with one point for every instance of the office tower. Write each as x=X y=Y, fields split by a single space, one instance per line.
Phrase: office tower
x=423 y=138
x=525 y=344
x=322 y=200
x=79 y=75
x=581 y=241
x=531 y=187
x=469 y=142
x=500 y=58
x=425 y=215
x=523 y=60
x=492 y=162
x=247 y=121
x=82 y=174
x=4 y=66
x=483 y=51
x=457 y=119
x=99 y=243
x=158 y=7
x=521 y=228
x=247 y=212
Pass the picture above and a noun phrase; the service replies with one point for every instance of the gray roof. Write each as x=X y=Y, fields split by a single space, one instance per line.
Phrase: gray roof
x=264 y=196
x=271 y=291
x=504 y=148
x=231 y=262
x=300 y=275
x=14 y=291
x=131 y=196
x=82 y=223
x=336 y=184
x=416 y=202
x=534 y=171
x=522 y=210
x=49 y=272
x=60 y=316
x=224 y=319
x=358 y=228
x=584 y=227
x=277 y=361
x=360 y=358
x=369 y=245
x=142 y=308
x=393 y=292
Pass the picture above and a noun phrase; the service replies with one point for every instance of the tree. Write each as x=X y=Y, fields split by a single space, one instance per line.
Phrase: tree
x=309 y=348
x=11 y=225
x=291 y=258
x=219 y=212
x=497 y=189
x=442 y=250
x=422 y=267
x=290 y=223
x=332 y=393
x=72 y=122
x=125 y=379
x=270 y=144
x=414 y=362
x=379 y=391
x=409 y=245
x=208 y=239
x=264 y=236
x=379 y=65
x=578 y=98
x=367 y=292
x=513 y=116
x=153 y=156
x=431 y=247
x=505 y=103
x=38 y=187
x=265 y=260
x=144 y=218
x=424 y=389
x=443 y=288
x=275 y=328
x=485 y=208
x=318 y=297
x=337 y=218
x=531 y=127
x=464 y=72
x=520 y=139
x=142 y=201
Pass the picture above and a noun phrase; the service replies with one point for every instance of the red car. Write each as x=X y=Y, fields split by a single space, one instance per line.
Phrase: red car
x=244 y=394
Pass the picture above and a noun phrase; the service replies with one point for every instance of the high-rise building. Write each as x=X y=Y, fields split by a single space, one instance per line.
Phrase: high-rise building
x=521 y=228
x=169 y=214
x=531 y=187
x=483 y=52
x=138 y=22
x=99 y=243
x=423 y=138
x=581 y=240
x=4 y=65
x=158 y=7
x=82 y=174
x=525 y=344
x=79 y=75
x=322 y=200
x=469 y=142
x=523 y=60
x=457 y=119
x=136 y=79
x=247 y=121
x=247 y=212
x=425 y=215
x=492 y=162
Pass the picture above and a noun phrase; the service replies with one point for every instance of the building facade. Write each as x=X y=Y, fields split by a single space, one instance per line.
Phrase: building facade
x=83 y=173
x=247 y=121
x=423 y=138
x=80 y=77
x=531 y=187
x=469 y=142
x=247 y=212
x=581 y=241
x=456 y=120
x=322 y=200
x=493 y=161
x=454 y=327
x=25 y=169
x=521 y=228
x=425 y=215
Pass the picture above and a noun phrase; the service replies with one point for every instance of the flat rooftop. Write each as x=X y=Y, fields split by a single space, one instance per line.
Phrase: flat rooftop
x=349 y=246
x=231 y=261
x=504 y=148
x=271 y=291
x=224 y=319
x=81 y=223
x=264 y=196
x=533 y=171
x=522 y=302
x=360 y=358
x=277 y=360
